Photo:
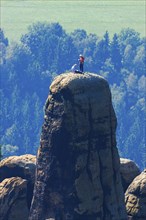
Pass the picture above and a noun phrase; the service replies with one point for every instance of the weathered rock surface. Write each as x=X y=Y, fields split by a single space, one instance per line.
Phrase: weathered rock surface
x=23 y=166
x=135 y=198
x=20 y=166
x=129 y=170
x=13 y=199
x=78 y=166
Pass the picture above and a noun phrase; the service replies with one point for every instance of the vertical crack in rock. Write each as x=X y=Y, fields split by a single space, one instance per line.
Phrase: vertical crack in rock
x=77 y=175
x=89 y=143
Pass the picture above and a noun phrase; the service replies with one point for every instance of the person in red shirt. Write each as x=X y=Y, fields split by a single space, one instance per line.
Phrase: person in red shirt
x=81 y=61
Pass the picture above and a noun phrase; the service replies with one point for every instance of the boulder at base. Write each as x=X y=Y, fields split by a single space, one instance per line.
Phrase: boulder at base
x=20 y=166
x=135 y=198
x=78 y=166
x=129 y=170
x=13 y=199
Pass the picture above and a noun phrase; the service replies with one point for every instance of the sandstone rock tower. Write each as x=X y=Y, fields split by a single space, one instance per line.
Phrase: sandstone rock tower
x=78 y=175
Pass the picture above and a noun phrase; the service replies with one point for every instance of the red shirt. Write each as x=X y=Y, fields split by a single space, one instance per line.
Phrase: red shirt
x=81 y=59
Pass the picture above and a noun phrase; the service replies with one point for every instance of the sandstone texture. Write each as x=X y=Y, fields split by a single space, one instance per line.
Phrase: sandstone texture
x=23 y=166
x=78 y=166
x=13 y=199
x=17 y=174
x=135 y=198
x=129 y=170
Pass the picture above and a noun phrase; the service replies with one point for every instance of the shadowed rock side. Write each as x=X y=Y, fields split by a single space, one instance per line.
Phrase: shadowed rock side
x=129 y=170
x=78 y=176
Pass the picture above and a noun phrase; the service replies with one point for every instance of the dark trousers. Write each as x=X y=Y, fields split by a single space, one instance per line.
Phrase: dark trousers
x=81 y=67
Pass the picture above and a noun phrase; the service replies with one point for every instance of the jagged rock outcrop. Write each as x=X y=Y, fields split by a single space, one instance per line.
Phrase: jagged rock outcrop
x=135 y=198
x=129 y=170
x=13 y=199
x=78 y=166
x=23 y=166
x=16 y=186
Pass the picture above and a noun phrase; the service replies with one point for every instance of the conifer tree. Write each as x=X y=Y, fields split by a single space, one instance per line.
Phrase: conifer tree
x=115 y=53
x=106 y=48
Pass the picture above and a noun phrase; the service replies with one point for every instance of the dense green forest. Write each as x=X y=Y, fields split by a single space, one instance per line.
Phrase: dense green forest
x=46 y=50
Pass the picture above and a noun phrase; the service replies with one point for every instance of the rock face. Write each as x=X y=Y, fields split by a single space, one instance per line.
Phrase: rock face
x=135 y=198
x=13 y=200
x=23 y=166
x=129 y=170
x=78 y=166
x=16 y=186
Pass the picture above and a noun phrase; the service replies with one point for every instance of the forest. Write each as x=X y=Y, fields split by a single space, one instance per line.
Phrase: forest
x=45 y=51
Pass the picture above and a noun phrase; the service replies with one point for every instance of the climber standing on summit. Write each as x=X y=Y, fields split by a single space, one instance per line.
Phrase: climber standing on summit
x=81 y=61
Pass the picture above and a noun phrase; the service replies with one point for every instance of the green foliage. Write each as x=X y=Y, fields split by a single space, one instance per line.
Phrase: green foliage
x=45 y=51
x=3 y=46
x=129 y=36
x=9 y=150
x=116 y=57
x=3 y=39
